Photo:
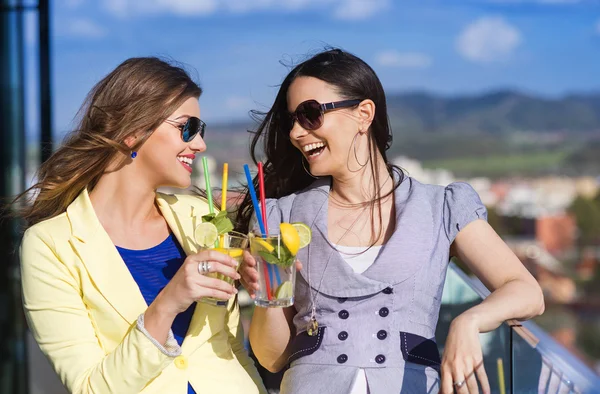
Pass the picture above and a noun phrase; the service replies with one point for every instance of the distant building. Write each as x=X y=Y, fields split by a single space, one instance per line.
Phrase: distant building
x=556 y=233
x=415 y=169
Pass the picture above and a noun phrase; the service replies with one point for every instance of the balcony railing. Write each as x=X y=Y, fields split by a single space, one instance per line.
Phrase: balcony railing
x=519 y=357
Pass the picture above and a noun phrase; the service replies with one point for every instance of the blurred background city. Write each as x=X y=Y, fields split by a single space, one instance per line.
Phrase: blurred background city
x=503 y=94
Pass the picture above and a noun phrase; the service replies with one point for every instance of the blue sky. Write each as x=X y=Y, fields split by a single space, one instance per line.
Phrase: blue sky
x=234 y=47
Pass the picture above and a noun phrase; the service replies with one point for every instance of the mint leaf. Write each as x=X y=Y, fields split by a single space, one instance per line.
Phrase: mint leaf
x=220 y=220
x=223 y=225
x=268 y=257
x=208 y=218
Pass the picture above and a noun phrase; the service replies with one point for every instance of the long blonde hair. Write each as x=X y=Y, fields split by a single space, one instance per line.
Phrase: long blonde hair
x=134 y=98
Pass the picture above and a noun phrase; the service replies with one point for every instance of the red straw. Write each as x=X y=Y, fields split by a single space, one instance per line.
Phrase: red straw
x=263 y=208
x=261 y=187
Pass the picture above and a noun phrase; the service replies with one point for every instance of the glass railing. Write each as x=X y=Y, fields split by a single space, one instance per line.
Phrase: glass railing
x=519 y=357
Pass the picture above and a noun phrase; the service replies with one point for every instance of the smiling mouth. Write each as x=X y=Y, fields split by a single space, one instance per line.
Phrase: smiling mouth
x=314 y=150
x=185 y=160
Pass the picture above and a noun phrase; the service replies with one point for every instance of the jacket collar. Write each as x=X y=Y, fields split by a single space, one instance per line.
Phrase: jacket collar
x=325 y=269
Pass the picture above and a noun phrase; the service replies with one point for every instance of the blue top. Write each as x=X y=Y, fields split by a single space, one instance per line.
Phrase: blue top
x=152 y=269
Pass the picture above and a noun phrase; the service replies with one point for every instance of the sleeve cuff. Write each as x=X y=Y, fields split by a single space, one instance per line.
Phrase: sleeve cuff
x=171 y=348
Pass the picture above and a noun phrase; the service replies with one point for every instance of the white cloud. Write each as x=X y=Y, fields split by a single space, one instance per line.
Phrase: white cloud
x=403 y=60
x=82 y=27
x=488 y=40
x=236 y=103
x=339 y=9
x=359 y=9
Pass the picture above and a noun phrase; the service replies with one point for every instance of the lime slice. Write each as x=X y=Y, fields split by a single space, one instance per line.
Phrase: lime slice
x=206 y=234
x=285 y=290
x=290 y=237
x=264 y=244
x=304 y=232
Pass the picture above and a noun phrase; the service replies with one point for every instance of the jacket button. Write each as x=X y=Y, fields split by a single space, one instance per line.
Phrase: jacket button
x=343 y=314
x=342 y=358
x=383 y=312
x=382 y=334
x=380 y=359
x=341 y=300
x=342 y=336
x=388 y=290
x=181 y=362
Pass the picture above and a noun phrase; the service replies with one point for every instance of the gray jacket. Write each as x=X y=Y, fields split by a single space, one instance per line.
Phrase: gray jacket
x=384 y=319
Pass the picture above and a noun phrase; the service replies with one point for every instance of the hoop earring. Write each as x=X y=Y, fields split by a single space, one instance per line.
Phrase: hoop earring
x=307 y=171
x=355 y=154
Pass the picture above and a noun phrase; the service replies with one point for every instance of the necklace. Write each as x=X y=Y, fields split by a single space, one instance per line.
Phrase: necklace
x=313 y=325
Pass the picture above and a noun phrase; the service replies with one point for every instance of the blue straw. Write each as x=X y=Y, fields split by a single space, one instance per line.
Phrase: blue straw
x=261 y=224
x=276 y=271
x=252 y=191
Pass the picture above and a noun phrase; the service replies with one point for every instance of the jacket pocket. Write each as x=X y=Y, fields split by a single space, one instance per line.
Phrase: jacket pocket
x=419 y=350
x=304 y=344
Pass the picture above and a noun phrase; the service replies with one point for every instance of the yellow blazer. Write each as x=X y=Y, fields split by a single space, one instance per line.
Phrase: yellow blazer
x=82 y=306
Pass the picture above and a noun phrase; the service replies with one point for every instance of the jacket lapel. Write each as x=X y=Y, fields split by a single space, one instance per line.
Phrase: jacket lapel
x=182 y=219
x=102 y=260
x=112 y=277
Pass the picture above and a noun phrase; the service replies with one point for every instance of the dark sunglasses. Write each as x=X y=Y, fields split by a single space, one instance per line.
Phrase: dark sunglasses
x=310 y=113
x=190 y=128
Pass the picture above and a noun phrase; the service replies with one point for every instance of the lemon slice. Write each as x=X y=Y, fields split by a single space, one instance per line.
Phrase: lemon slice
x=206 y=234
x=304 y=232
x=285 y=290
x=264 y=244
x=290 y=237
x=234 y=252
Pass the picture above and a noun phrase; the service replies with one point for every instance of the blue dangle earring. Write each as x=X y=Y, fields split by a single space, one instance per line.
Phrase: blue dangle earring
x=133 y=154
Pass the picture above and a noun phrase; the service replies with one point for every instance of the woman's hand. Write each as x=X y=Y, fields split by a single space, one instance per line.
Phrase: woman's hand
x=189 y=285
x=462 y=363
x=250 y=274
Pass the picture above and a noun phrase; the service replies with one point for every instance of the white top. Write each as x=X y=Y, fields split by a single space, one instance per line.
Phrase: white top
x=359 y=259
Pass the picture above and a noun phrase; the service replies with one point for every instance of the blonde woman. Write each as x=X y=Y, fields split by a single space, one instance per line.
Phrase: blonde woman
x=110 y=273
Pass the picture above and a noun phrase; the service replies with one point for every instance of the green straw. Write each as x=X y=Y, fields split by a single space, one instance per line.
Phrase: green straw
x=208 y=188
x=211 y=207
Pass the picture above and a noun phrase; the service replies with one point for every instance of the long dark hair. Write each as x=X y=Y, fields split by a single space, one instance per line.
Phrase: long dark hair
x=283 y=169
x=137 y=96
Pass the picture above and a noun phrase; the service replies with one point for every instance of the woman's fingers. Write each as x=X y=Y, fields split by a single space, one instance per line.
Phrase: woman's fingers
x=446 y=385
x=471 y=384
x=249 y=273
x=248 y=259
x=456 y=379
x=459 y=382
x=216 y=267
x=216 y=285
x=212 y=255
x=483 y=379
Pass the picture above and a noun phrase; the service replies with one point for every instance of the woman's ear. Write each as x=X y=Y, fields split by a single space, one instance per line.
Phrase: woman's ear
x=131 y=140
x=366 y=113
